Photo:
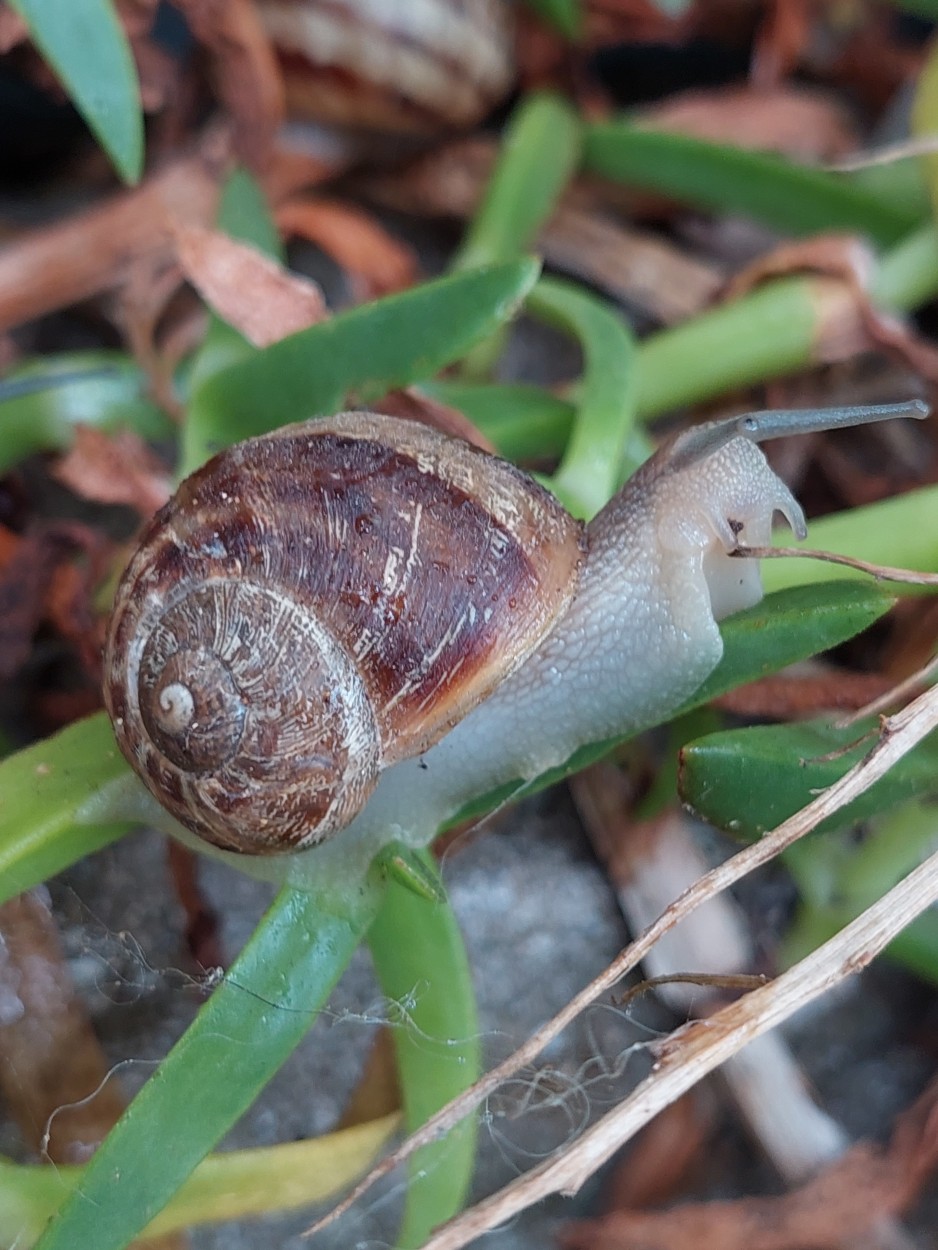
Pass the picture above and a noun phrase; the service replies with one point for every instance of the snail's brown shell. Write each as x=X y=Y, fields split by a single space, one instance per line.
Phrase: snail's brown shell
x=419 y=66
x=317 y=604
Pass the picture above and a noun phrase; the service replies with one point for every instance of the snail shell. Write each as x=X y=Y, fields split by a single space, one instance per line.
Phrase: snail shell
x=418 y=66
x=316 y=605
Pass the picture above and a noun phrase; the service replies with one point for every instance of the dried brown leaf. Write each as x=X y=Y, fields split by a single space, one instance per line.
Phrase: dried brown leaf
x=377 y=263
x=260 y=298
x=114 y=468
x=782 y=39
x=246 y=71
x=137 y=16
x=53 y=1072
x=157 y=71
x=102 y=248
x=24 y=578
x=836 y=255
x=837 y=1208
x=9 y=545
x=644 y=270
x=94 y=251
x=68 y=606
x=49 y=1056
x=800 y=123
x=202 y=935
x=632 y=21
x=786 y=696
x=663 y=1155
x=447 y=182
x=13 y=29
x=306 y=160
x=868 y=61
x=414 y=406
x=151 y=284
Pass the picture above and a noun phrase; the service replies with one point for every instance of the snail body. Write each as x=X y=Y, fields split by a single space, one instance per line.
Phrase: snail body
x=358 y=624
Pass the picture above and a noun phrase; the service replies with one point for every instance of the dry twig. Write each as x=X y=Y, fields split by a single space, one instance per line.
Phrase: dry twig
x=882 y=572
x=701 y=1046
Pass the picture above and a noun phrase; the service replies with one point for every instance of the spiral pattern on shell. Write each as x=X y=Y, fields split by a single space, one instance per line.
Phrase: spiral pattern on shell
x=317 y=604
x=240 y=689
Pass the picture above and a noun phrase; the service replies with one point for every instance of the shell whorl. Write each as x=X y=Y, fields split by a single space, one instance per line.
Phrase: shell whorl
x=317 y=604
x=246 y=716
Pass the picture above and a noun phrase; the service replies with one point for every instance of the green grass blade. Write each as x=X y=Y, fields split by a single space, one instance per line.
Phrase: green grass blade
x=766 y=334
x=59 y=801
x=749 y=780
x=369 y=350
x=924 y=8
x=424 y=973
x=84 y=43
x=790 y=197
x=524 y=422
x=564 y=15
x=592 y=465
x=236 y=1184
x=101 y=389
x=241 y=1036
x=538 y=155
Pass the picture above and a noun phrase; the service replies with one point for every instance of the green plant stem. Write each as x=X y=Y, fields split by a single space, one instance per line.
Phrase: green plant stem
x=766 y=334
x=241 y=1036
x=421 y=964
x=537 y=157
x=907 y=275
x=564 y=15
x=63 y=798
x=524 y=422
x=592 y=462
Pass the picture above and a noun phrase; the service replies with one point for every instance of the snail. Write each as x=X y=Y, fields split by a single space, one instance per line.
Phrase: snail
x=411 y=68
x=358 y=623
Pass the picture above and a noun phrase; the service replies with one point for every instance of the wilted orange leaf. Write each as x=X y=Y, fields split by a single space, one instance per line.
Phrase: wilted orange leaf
x=838 y=1208
x=114 y=468
x=355 y=240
